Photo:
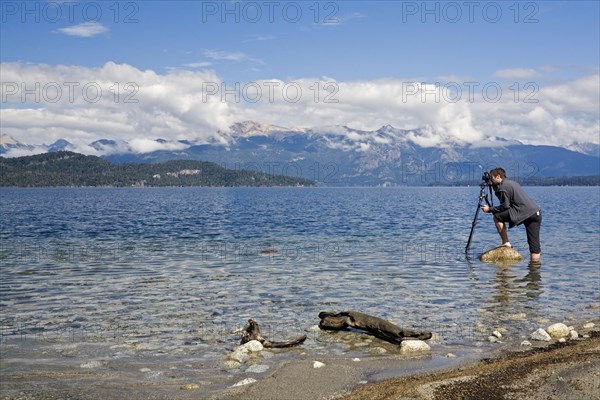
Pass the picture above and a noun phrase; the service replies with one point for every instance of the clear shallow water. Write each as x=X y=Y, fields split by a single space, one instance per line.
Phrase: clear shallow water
x=151 y=282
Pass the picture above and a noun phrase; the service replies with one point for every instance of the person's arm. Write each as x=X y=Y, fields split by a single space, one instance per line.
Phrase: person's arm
x=504 y=202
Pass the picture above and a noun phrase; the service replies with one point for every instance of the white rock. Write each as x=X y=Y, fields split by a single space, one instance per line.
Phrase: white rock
x=557 y=331
x=257 y=368
x=356 y=359
x=314 y=328
x=246 y=381
x=540 y=335
x=318 y=364
x=239 y=356
x=253 y=346
x=497 y=334
x=562 y=340
x=450 y=355
x=573 y=334
x=589 y=325
x=145 y=370
x=413 y=346
x=493 y=339
x=525 y=343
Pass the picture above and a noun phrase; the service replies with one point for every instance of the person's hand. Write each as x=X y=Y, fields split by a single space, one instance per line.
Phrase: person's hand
x=485 y=208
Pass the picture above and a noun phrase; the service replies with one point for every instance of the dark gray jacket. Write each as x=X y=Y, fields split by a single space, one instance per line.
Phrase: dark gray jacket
x=514 y=199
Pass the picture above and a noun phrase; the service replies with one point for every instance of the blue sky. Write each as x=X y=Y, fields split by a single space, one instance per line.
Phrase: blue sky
x=549 y=43
x=349 y=40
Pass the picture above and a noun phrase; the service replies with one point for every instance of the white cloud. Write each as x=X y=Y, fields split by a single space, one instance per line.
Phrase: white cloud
x=200 y=64
x=121 y=102
x=85 y=29
x=516 y=73
x=225 y=55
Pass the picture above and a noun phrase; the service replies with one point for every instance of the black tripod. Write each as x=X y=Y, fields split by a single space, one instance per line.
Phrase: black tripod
x=482 y=196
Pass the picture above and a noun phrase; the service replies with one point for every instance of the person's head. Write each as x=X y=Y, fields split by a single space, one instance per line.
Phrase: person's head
x=498 y=175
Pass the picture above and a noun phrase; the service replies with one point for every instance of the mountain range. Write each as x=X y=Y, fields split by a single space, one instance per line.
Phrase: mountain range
x=342 y=156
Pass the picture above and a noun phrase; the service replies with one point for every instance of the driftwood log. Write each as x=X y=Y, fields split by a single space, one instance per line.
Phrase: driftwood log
x=252 y=332
x=375 y=326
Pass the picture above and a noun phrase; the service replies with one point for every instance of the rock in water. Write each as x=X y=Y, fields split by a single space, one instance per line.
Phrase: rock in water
x=501 y=255
x=413 y=346
x=557 y=331
x=541 y=335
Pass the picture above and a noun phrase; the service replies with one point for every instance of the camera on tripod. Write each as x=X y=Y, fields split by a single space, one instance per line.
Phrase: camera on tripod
x=487 y=183
x=487 y=178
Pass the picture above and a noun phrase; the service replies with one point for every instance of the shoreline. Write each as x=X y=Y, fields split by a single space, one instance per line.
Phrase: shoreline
x=569 y=370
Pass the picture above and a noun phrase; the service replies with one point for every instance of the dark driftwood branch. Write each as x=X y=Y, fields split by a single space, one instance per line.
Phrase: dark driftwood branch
x=252 y=332
x=376 y=326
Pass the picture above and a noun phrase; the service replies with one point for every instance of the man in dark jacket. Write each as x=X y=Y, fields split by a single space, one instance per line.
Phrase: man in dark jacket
x=515 y=208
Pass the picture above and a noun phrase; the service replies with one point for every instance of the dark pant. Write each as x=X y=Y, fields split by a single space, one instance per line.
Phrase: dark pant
x=532 y=226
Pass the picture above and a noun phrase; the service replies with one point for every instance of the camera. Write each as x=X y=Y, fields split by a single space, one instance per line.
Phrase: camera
x=486 y=177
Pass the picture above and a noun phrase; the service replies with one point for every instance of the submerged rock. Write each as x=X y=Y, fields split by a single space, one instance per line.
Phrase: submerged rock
x=257 y=368
x=501 y=255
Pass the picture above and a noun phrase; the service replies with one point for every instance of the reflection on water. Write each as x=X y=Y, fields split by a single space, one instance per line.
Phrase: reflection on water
x=160 y=278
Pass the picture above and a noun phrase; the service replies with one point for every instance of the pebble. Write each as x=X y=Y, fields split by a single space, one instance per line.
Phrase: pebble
x=318 y=364
x=246 y=381
x=413 y=346
x=573 y=334
x=525 y=343
x=562 y=340
x=450 y=355
x=190 y=386
x=257 y=368
x=589 y=325
x=497 y=334
x=314 y=328
x=541 y=335
x=557 y=331
x=145 y=370
x=356 y=359
x=493 y=339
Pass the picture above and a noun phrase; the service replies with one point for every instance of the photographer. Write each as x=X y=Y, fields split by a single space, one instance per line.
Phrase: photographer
x=515 y=208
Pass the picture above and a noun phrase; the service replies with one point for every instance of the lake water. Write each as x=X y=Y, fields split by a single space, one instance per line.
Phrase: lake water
x=145 y=286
